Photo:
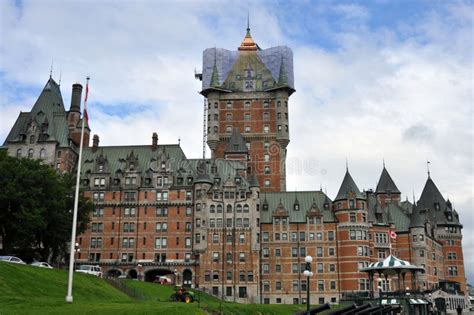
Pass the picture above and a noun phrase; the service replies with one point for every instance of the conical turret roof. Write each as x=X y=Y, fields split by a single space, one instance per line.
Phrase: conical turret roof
x=202 y=173
x=416 y=218
x=348 y=188
x=386 y=183
x=253 y=181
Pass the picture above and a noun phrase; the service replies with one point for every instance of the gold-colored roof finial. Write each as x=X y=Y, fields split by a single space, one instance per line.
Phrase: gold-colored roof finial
x=248 y=44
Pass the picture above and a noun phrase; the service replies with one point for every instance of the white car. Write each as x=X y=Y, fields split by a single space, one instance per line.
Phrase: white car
x=41 y=264
x=90 y=270
x=12 y=259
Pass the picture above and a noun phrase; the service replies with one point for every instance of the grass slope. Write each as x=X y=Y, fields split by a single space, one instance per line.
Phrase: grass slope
x=33 y=290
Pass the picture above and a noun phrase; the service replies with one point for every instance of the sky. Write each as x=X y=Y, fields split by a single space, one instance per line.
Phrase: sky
x=375 y=81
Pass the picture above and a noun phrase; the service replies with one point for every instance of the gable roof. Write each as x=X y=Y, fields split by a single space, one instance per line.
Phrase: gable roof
x=236 y=143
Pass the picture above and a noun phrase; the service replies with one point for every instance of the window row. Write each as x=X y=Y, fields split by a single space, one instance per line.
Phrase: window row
x=318 y=236
x=215 y=274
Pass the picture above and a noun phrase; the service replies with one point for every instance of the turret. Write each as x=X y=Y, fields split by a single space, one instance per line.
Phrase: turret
x=386 y=191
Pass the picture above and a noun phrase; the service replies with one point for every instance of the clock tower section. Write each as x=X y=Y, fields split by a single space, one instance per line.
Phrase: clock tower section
x=247 y=93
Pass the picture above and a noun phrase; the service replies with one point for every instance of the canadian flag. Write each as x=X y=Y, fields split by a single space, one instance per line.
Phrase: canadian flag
x=86 y=114
x=393 y=234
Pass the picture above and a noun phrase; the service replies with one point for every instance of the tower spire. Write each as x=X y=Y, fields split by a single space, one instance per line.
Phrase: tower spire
x=248 y=22
x=51 y=70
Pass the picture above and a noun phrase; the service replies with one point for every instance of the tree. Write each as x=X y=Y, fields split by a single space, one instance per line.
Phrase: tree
x=36 y=209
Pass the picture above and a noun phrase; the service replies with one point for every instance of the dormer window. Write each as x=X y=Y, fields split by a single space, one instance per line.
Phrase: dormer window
x=101 y=168
x=352 y=203
x=326 y=206
x=450 y=217
x=236 y=147
x=237 y=180
x=297 y=207
x=436 y=205
x=179 y=181
x=132 y=166
x=217 y=181
x=163 y=165
x=265 y=207
x=190 y=180
x=32 y=139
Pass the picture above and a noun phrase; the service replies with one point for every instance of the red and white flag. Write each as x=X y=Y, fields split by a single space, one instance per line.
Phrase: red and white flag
x=393 y=234
x=86 y=115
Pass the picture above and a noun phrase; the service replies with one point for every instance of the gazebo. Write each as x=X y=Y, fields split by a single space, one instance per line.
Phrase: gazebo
x=392 y=266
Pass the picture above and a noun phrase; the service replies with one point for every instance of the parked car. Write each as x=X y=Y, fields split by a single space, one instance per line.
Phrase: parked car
x=162 y=280
x=41 y=264
x=12 y=259
x=90 y=270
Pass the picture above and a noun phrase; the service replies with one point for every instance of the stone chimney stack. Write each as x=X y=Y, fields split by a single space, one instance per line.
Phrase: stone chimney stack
x=95 y=143
x=154 y=141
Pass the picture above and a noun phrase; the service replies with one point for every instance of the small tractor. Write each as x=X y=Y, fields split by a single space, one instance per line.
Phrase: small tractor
x=182 y=295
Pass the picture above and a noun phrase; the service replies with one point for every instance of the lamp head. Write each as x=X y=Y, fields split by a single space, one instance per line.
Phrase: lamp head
x=308 y=259
x=306 y=273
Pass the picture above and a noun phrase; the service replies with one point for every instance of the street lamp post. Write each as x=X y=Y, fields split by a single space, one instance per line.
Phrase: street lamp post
x=77 y=249
x=307 y=272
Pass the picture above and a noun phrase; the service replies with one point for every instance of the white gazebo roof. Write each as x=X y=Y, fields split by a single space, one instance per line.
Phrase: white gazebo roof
x=391 y=265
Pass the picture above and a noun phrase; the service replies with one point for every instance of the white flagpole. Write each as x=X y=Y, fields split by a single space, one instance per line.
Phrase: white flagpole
x=76 y=203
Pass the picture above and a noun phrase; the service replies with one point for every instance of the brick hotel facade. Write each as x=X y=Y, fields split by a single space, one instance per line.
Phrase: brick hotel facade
x=227 y=224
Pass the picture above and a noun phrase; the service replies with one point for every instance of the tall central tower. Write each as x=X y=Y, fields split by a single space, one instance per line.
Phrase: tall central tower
x=247 y=95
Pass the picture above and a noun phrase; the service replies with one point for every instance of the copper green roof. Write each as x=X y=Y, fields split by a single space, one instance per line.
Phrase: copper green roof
x=249 y=68
x=49 y=115
x=116 y=157
x=306 y=200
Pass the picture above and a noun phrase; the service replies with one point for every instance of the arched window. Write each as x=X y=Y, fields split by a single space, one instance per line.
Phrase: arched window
x=219 y=208
x=238 y=208
x=30 y=153
x=213 y=209
x=229 y=209
x=42 y=153
x=246 y=208
x=18 y=153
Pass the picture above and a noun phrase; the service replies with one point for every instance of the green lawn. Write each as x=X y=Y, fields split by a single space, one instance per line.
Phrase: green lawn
x=33 y=290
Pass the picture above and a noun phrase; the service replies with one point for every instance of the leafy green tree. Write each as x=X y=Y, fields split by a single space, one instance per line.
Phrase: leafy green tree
x=36 y=207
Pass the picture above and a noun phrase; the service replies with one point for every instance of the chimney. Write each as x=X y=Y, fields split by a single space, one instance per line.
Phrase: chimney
x=95 y=143
x=154 y=141
x=76 y=98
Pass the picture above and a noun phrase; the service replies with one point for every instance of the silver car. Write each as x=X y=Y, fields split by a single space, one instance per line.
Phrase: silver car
x=41 y=264
x=12 y=259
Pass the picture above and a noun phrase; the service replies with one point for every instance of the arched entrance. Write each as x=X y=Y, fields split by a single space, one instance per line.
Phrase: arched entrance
x=113 y=273
x=152 y=274
x=187 y=278
x=132 y=274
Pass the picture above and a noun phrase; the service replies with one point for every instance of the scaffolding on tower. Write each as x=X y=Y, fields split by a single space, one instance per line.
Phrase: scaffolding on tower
x=204 y=129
